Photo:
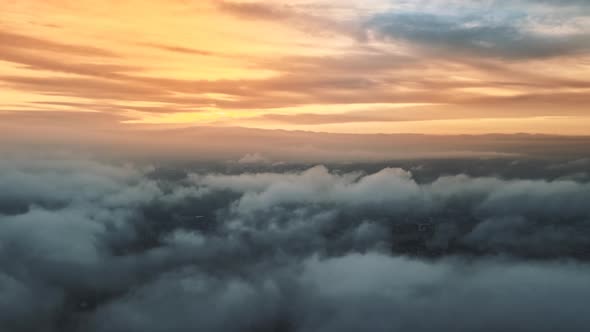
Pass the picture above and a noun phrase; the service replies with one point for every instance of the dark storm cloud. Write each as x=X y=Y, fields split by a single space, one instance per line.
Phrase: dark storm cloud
x=477 y=34
x=88 y=245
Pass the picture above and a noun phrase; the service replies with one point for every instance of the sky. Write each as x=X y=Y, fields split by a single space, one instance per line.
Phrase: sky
x=378 y=66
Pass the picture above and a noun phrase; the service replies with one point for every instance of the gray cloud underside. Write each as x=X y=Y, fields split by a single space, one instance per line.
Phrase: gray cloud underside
x=491 y=29
x=94 y=246
x=477 y=35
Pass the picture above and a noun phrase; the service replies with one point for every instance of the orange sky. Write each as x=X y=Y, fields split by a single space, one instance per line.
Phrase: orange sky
x=336 y=66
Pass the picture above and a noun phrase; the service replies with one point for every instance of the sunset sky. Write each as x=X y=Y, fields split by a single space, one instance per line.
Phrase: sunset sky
x=346 y=66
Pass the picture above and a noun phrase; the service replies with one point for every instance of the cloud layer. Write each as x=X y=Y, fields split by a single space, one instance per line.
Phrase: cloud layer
x=89 y=245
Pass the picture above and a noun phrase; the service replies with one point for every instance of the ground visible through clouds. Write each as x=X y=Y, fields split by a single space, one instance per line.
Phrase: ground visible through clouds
x=92 y=243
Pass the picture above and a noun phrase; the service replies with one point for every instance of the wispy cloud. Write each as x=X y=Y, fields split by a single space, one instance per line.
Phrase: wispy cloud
x=20 y=41
x=290 y=65
x=477 y=35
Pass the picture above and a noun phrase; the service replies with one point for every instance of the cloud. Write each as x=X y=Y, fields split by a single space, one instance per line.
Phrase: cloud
x=11 y=40
x=535 y=216
x=314 y=118
x=445 y=53
x=88 y=244
x=180 y=49
x=362 y=74
x=309 y=21
x=52 y=64
x=429 y=112
x=580 y=3
x=378 y=293
x=255 y=10
x=369 y=292
x=70 y=118
x=47 y=55
x=477 y=35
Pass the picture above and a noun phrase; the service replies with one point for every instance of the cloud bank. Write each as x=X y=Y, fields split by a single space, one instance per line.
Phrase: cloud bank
x=88 y=245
